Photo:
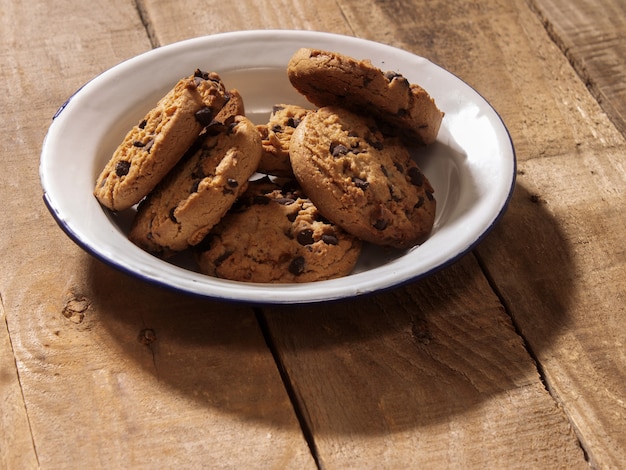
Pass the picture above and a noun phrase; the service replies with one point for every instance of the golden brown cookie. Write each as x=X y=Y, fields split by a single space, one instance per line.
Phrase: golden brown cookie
x=360 y=180
x=276 y=137
x=199 y=190
x=276 y=235
x=152 y=147
x=234 y=106
x=328 y=78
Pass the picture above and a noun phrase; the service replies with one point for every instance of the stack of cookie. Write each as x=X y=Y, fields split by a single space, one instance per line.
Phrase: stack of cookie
x=337 y=175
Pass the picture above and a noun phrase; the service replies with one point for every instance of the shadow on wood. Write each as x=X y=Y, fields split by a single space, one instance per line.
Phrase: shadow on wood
x=410 y=357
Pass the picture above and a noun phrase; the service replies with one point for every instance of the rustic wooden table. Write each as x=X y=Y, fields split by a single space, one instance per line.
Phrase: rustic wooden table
x=513 y=357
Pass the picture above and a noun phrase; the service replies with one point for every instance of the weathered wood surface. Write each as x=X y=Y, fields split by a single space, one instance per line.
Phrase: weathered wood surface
x=100 y=370
x=592 y=34
x=112 y=373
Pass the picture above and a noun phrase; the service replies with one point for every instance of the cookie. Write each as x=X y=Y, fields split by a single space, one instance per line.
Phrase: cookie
x=276 y=136
x=361 y=180
x=152 y=147
x=233 y=107
x=197 y=193
x=276 y=235
x=329 y=78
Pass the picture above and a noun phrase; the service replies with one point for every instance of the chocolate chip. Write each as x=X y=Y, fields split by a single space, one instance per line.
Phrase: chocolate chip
x=277 y=108
x=379 y=221
x=376 y=144
x=200 y=75
x=296 y=267
x=416 y=176
x=355 y=148
x=380 y=224
x=330 y=239
x=305 y=237
x=359 y=183
x=384 y=170
x=122 y=168
x=232 y=182
x=430 y=196
x=320 y=218
x=291 y=122
x=221 y=258
x=420 y=203
x=204 y=116
x=277 y=128
x=138 y=143
x=142 y=124
x=399 y=167
x=337 y=150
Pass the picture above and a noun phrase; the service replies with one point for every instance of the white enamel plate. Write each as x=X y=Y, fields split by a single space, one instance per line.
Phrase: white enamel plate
x=471 y=166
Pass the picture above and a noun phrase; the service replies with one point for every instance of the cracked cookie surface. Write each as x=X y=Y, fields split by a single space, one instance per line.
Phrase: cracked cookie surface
x=328 y=78
x=153 y=146
x=276 y=137
x=197 y=193
x=361 y=180
x=275 y=234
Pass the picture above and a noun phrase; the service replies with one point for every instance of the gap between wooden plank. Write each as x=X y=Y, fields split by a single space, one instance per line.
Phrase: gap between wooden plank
x=19 y=381
x=540 y=370
x=144 y=16
x=284 y=375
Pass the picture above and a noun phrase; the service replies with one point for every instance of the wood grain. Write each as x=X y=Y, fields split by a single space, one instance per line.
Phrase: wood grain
x=511 y=358
x=117 y=373
x=113 y=373
x=173 y=21
x=425 y=376
x=558 y=257
x=592 y=35
x=16 y=444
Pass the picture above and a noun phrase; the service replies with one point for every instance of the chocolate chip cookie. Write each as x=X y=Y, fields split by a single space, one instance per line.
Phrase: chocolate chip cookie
x=153 y=146
x=328 y=78
x=274 y=234
x=361 y=180
x=197 y=193
x=276 y=137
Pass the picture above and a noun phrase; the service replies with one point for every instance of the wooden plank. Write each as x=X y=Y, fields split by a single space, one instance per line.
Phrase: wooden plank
x=16 y=442
x=172 y=22
x=592 y=34
x=62 y=307
x=474 y=41
x=114 y=373
x=119 y=374
x=428 y=376
x=557 y=258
